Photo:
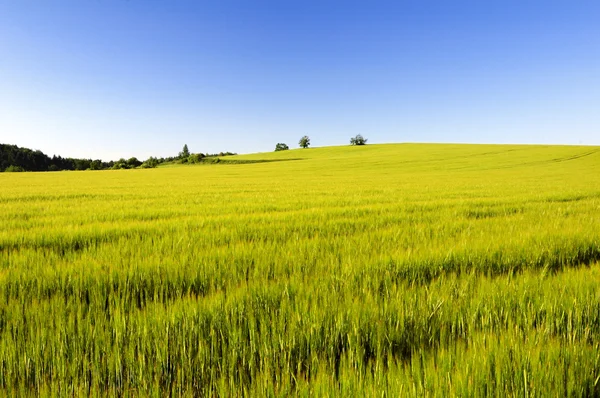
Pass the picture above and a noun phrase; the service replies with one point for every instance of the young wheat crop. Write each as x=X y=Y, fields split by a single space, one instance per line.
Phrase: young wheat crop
x=350 y=271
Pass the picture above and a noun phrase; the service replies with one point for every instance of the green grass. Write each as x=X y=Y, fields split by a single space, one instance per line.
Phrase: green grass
x=347 y=271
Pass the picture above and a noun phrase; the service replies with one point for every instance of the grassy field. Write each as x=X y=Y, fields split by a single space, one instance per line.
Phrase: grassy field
x=344 y=271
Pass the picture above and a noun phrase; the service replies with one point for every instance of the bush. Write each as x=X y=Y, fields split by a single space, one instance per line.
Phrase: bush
x=196 y=158
x=14 y=169
x=281 y=147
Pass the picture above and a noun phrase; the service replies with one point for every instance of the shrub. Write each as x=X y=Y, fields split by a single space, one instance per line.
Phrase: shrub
x=14 y=169
x=195 y=158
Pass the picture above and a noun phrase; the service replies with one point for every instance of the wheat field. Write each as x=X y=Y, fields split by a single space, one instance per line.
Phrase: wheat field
x=379 y=270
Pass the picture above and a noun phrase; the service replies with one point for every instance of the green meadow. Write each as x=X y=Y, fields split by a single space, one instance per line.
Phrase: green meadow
x=378 y=270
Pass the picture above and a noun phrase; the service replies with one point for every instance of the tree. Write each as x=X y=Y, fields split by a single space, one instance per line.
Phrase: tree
x=133 y=163
x=82 y=164
x=185 y=152
x=358 y=140
x=150 y=163
x=96 y=165
x=120 y=164
x=304 y=142
x=281 y=147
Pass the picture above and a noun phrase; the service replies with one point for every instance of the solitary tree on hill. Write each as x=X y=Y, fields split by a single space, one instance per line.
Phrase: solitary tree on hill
x=304 y=142
x=358 y=140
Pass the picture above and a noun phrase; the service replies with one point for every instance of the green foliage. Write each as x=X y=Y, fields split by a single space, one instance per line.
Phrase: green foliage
x=133 y=163
x=121 y=164
x=358 y=140
x=430 y=270
x=185 y=153
x=96 y=165
x=150 y=163
x=304 y=142
x=196 y=158
x=14 y=169
x=281 y=147
x=28 y=160
x=208 y=155
x=22 y=159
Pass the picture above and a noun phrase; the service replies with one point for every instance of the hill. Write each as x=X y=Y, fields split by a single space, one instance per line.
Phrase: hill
x=403 y=269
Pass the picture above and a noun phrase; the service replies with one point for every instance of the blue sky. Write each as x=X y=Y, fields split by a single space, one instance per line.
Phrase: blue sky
x=120 y=78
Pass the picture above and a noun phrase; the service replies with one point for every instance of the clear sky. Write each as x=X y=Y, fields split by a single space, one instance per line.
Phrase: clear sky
x=120 y=78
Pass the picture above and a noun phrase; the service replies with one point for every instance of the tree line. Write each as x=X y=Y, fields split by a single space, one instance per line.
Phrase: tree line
x=14 y=158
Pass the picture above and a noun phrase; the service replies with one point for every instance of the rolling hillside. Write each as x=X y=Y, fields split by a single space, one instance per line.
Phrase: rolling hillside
x=409 y=269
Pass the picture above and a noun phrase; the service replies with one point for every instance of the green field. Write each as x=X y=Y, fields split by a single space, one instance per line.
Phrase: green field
x=408 y=269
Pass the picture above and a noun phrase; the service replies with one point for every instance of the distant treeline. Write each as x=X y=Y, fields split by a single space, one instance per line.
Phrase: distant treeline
x=14 y=158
